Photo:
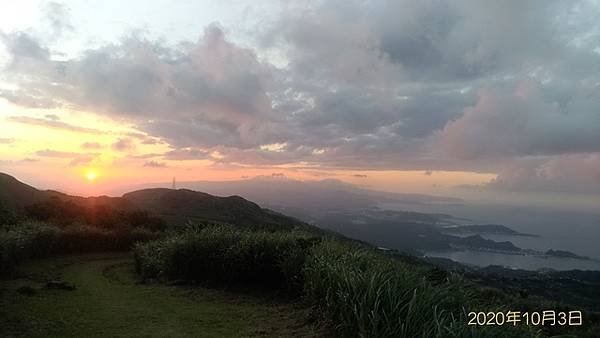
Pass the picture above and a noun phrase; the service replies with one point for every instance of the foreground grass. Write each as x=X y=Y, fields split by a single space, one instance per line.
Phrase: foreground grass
x=353 y=289
x=108 y=301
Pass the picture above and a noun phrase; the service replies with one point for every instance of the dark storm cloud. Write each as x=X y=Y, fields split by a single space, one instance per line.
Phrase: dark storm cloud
x=428 y=85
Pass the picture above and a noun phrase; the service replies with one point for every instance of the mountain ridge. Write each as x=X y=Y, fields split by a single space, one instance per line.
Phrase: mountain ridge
x=175 y=206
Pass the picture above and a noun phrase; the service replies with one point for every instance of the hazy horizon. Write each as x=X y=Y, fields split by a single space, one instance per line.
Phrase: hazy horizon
x=587 y=203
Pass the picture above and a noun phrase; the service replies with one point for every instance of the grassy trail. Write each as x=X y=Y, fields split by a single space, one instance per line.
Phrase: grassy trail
x=109 y=303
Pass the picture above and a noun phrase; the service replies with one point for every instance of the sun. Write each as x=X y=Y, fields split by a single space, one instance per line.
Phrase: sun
x=91 y=176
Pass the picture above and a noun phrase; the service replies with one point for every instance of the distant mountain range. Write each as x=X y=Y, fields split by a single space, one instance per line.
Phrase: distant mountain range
x=490 y=229
x=283 y=193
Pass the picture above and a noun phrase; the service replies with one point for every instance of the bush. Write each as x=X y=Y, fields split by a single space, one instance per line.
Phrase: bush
x=360 y=292
x=34 y=240
x=7 y=214
x=222 y=255
x=355 y=290
x=63 y=212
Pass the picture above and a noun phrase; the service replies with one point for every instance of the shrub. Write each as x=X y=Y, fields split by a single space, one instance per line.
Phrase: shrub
x=360 y=292
x=225 y=256
x=7 y=214
x=355 y=290
x=34 y=240
x=63 y=212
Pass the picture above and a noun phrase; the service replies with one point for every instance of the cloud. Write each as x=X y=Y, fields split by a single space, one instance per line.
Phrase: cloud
x=192 y=95
x=432 y=74
x=82 y=160
x=123 y=144
x=53 y=117
x=186 y=154
x=386 y=41
x=145 y=156
x=564 y=173
x=29 y=99
x=52 y=123
x=524 y=121
x=24 y=46
x=56 y=153
x=91 y=145
x=58 y=18
x=150 y=141
x=360 y=175
x=77 y=159
x=155 y=164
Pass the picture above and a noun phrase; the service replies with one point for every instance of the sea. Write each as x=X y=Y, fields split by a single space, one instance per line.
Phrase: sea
x=576 y=231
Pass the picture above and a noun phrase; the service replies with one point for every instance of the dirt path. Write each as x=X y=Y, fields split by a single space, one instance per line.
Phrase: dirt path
x=108 y=302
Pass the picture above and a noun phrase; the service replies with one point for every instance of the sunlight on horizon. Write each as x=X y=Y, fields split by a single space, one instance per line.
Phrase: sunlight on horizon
x=91 y=176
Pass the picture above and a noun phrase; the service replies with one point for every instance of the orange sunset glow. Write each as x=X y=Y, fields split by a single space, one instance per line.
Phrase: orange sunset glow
x=65 y=152
x=91 y=176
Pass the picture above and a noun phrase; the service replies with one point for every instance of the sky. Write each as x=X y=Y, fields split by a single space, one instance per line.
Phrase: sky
x=494 y=100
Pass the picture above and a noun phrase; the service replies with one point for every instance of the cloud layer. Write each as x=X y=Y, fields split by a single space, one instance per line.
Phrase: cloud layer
x=511 y=88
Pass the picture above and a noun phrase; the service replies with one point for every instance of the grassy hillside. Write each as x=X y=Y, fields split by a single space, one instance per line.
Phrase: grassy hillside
x=110 y=302
x=15 y=194
x=178 y=206
x=353 y=289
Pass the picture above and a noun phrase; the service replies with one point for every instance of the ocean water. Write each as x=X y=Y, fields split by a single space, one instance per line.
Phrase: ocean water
x=571 y=230
x=525 y=262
